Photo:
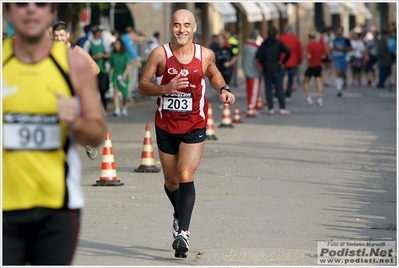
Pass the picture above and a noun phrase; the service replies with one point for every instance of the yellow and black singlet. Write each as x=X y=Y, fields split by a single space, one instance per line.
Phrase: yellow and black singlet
x=41 y=166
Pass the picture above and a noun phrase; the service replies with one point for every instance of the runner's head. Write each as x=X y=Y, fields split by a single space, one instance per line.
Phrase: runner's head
x=31 y=20
x=60 y=32
x=183 y=26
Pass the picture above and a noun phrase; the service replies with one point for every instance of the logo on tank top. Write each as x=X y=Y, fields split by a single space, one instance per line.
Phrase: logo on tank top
x=183 y=72
x=8 y=91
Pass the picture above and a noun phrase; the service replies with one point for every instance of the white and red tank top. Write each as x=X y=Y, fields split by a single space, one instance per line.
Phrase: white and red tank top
x=182 y=113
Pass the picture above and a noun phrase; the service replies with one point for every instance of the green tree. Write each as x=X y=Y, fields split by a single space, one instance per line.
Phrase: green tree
x=70 y=13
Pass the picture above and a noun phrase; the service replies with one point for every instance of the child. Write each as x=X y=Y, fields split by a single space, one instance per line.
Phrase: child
x=120 y=64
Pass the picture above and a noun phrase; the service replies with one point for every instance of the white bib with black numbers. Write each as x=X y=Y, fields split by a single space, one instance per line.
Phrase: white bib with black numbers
x=182 y=103
x=31 y=132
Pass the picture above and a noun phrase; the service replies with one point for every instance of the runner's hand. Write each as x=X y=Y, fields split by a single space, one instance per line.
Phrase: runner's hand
x=176 y=85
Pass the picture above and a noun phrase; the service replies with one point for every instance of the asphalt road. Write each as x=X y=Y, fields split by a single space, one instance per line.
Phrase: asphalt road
x=267 y=189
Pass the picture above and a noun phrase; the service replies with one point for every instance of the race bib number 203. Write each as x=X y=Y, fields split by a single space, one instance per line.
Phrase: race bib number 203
x=178 y=103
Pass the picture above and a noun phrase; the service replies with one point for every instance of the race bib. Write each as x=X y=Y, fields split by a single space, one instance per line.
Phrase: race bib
x=182 y=103
x=31 y=132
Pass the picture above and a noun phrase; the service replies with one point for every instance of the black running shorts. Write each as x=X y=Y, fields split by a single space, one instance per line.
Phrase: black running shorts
x=169 y=143
x=313 y=71
x=40 y=236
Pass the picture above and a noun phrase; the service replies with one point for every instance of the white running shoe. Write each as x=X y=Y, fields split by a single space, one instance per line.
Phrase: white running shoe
x=175 y=227
x=284 y=112
x=117 y=112
x=181 y=242
x=124 y=111
x=309 y=101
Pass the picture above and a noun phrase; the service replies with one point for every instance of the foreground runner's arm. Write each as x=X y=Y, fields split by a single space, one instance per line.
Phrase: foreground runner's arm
x=89 y=126
x=94 y=67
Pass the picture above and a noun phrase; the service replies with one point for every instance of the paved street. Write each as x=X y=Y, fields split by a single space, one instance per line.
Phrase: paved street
x=267 y=189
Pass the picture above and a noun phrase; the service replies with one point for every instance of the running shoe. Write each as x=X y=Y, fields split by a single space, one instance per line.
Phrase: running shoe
x=180 y=243
x=175 y=227
x=124 y=111
x=284 y=112
x=117 y=112
x=320 y=103
x=339 y=94
x=180 y=254
x=270 y=112
x=309 y=101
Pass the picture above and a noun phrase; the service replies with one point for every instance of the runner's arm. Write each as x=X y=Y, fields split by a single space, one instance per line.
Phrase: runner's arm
x=155 y=65
x=89 y=126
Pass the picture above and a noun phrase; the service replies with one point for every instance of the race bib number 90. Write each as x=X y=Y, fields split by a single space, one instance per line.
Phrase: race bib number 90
x=182 y=103
x=31 y=132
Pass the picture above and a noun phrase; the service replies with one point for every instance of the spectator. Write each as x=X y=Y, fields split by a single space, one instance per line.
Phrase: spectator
x=341 y=46
x=128 y=39
x=224 y=60
x=327 y=63
x=269 y=56
x=114 y=36
x=120 y=64
x=315 y=53
x=155 y=41
x=295 y=59
x=234 y=43
x=252 y=73
x=100 y=52
x=392 y=49
x=214 y=44
x=370 y=34
x=371 y=60
x=88 y=36
x=357 y=56
x=384 y=59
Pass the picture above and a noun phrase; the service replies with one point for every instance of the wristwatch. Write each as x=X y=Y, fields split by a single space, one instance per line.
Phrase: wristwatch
x=226 y=87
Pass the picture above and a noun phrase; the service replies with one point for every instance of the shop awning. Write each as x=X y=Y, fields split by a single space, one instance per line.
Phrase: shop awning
x=269 y=10
x=350 y=7
x=227 y=11
x=251 y=10
x=333 y=7
x=283 y=9
x=365 y=11
x=358 y=9
x=309 y=10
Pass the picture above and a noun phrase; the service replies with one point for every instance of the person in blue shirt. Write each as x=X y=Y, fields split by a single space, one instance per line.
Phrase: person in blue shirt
x=128 y=40
x=341 y=46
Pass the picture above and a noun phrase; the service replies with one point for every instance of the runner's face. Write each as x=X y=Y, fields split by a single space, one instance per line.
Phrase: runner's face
x=61 y=35
x=183 y=28
x=30 y=20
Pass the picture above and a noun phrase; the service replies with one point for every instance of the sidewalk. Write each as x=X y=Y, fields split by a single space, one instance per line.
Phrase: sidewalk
x=267 y=189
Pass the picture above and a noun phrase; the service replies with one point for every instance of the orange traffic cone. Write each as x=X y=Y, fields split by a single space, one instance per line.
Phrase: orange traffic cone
x=147 y=155
x=237 y=116
x=226 y=117
x=210 y=129
x=108 y=168
x=259 y=103
x=251 y=111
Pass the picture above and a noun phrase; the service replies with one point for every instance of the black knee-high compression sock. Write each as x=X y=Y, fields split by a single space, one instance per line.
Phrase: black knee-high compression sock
x=174 y=199
x=186 y=204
